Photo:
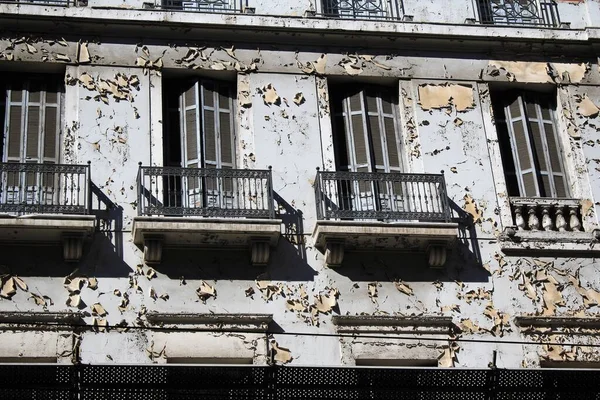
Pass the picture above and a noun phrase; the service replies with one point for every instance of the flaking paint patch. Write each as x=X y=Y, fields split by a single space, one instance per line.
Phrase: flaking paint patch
x=445 y=96
x=538 y=72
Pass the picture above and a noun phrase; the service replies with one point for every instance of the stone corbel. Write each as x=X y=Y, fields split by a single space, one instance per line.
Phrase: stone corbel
x=72 y=246
x=334 y=252
x=437 y=254
x=153 y=249
x=260 y=249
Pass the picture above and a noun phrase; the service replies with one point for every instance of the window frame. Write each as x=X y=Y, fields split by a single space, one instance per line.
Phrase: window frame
x=524 y=98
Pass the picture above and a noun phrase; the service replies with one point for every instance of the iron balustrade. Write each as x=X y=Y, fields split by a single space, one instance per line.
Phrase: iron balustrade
x=60 y=3
x=519 y=12
x=209 y=6
x=362 y=9
x=381 y=196
x=206 y=192
x=27 y=188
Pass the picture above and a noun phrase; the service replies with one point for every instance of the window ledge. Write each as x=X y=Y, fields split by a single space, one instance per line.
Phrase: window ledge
x=233 y=322
x=394 y=324
x=154 y=233
x=70 y=230
x=36 y=318
x=333 y=238
x=515 y=242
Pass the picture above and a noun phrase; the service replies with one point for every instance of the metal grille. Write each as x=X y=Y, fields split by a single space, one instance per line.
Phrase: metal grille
x=92 y=382
x=44 y=188
x=381 y=196
x=519 y=12
x=362 y=9
x=51 y=382
x=212 y=6
x=207 y=192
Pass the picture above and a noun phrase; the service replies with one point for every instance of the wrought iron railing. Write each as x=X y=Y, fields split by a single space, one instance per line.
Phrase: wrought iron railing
x=519 y=12
x=44 y=188
x=362 y=9
x=206 y=192
x=209 y=6
x=60 y=3
x=381 y=196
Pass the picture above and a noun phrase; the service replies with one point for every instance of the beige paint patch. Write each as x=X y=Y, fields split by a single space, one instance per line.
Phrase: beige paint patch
x=586 y=107
x=446 y=95
x=573 y=73
x=522 y=71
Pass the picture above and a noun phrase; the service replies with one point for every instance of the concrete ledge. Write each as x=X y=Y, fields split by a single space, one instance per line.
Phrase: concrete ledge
x=394 y=324
x=233 y=322
x=557 y=322
x=550 y=243
x=70 y=230
x=28 y=318
x=333 y=238
x=156 y=233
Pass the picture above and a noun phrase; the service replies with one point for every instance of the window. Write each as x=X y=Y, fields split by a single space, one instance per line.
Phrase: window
x=199 y=134
x=529 y=145
x=365 y=138
x=519 y=12
x=357 y=9
x=216 y=6
x=30 y=109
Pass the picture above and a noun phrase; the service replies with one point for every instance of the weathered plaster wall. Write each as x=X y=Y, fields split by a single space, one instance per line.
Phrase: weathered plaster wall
x=437 y=11
x=449 y=130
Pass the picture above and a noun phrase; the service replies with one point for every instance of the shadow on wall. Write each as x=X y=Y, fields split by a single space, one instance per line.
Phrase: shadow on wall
x=463 y=263
x=287 y=261
x=104 y=256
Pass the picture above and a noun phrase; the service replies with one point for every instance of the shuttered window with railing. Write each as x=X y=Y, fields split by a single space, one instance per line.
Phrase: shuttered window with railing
x=530 y=149
x=31 y=116
x=199 y=134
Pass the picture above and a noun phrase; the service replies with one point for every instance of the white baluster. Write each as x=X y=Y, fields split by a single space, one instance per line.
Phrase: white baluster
x=561 y=222
x=547 y=223
x=534 y=221
x=574 y=222
x=519 y=220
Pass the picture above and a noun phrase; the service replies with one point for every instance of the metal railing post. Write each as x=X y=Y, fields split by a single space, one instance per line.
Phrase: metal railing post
x=271 y=197
x=89 y=187
x=140 y=188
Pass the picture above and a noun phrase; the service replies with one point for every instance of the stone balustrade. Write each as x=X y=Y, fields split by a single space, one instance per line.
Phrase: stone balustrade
x=546 y=214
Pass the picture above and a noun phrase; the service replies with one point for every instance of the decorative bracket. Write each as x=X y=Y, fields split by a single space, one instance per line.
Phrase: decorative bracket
x=260 y=248
x=334 y=252
x=72 y=246
x=153 y=249
x=437 y=254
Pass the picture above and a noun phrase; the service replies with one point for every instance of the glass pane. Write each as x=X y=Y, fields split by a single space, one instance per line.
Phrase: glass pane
x=191 y=135
x=538 y=146
x=33 y=131
x=377 y=142
x=529 y=185
x=553 y=151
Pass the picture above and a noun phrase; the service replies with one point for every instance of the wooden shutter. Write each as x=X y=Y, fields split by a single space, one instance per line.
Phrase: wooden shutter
x=536 y=153
x=521 y=144
x=190 y=126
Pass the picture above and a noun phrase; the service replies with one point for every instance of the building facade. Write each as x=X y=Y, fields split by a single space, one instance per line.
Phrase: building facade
x=336 y=183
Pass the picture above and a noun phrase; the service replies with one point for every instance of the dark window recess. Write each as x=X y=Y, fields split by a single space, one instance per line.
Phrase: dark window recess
x=529 y=145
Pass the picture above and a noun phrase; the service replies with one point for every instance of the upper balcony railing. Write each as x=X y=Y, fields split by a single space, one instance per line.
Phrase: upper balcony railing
x=519 y=12
x=205 y=192
x=362 y=9
x=44 y=188
x=60 y=3
x=381 y=196
x=208 y=6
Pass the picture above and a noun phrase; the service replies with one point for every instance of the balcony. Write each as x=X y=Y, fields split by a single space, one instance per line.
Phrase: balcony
x=542 y=13
x=205 y=207
x=362 y=9
x=549 y=225
x=46 y=203
x=54 y=3
x=382 y=211
x=206 y=6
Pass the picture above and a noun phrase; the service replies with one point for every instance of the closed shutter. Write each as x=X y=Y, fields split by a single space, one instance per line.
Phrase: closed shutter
x=32 y=130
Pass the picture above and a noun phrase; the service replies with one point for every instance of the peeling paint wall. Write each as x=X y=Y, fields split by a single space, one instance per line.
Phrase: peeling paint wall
x=113 y=118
